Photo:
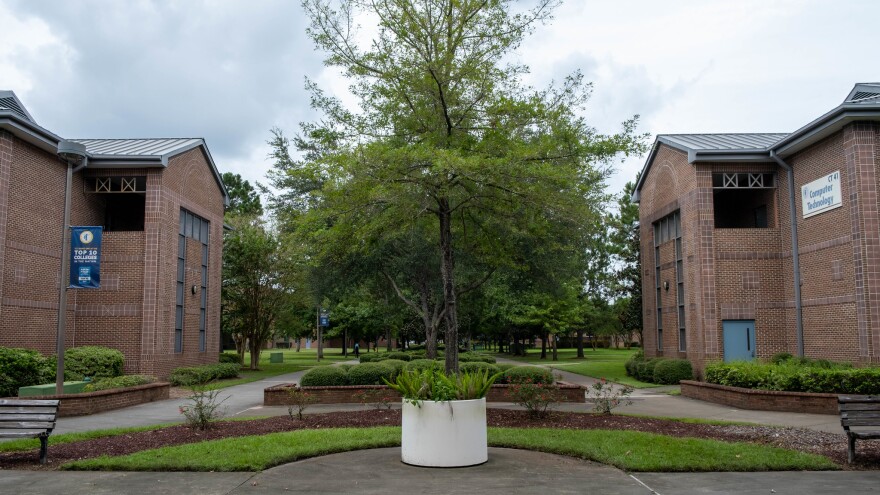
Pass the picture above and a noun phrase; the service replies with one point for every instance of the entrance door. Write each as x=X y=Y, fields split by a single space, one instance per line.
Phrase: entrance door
x=739 y=340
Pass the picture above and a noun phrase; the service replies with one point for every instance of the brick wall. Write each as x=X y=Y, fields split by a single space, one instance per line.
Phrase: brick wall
x=761 y=400
x=279 y=395
x=107 y=400
x=134 y=309
x=747 y=273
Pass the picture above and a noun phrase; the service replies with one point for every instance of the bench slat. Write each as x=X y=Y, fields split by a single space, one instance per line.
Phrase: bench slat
x=27 y=410
x=21 y=425
x=26 y=417
x=858 y=406
x=860 y=422
x=865 y=435
x=16 y=402
x=860 y=414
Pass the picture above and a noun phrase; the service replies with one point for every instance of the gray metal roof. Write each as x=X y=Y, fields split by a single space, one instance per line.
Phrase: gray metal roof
x=137 y=147
x=864 y=93
x=727 y=142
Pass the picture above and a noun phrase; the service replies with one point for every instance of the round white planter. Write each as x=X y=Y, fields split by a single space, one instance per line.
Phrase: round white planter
x=444 y=434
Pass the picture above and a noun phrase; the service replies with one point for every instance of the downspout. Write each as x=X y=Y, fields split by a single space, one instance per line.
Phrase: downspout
x=795 y=255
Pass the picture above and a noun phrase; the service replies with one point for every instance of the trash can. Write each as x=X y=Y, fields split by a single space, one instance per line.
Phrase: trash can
x=276 y=357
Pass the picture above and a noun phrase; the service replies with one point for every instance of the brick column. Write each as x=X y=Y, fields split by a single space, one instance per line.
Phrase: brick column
x=152 y=341
x=858 y=148
x=5 y=167
x=704 y=250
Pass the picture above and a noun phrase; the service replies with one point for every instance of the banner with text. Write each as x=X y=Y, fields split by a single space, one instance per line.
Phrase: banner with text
x=821 y=195
x=85 y=257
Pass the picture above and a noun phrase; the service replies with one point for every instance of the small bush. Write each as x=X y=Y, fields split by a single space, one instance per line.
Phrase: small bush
x=422 y=365
x=370 y=373
x=94 y=361
x=396 y=364
x=478 y=366
x=536 y=398
x=226 y=357
x=198 y=375
x=299 y=402
x=369 y=358
x=645 y=370
x=402 y=356
x=22 y=368
x=124 y=381
x=533 y=374
x=325 y=376
x=781 y=357
x=471 y=357
x=672 y=371
x=505 y=366
x=204 y=407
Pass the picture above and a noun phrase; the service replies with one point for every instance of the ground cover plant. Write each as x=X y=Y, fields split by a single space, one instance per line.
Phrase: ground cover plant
x=612 y=442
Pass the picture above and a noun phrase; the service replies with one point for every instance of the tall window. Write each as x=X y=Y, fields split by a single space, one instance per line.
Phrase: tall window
x=668 y=229
x=191 y=227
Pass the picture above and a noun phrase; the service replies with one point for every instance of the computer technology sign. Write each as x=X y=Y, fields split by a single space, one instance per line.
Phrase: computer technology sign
x=85 y=257
x=821 y=195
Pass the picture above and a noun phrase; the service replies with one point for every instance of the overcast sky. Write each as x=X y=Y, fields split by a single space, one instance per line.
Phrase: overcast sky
x=230 y=70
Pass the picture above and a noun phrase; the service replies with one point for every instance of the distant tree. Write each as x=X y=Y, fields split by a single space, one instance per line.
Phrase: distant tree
x=243 y=198
x=628 y=275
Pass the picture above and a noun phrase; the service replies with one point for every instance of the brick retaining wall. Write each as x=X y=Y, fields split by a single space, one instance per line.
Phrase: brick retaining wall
x=278 y=395
x=106 y=400
x=763 y=400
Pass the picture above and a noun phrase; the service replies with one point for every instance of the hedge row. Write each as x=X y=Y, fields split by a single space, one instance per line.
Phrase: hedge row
x=199 y=375
x=797 y=377
x=374 y=373
x=664 y=371
x=24 y=367
x=118 y=382
x=464 y=357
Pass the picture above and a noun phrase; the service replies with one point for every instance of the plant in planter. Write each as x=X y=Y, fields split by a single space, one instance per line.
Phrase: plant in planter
x=443 y=417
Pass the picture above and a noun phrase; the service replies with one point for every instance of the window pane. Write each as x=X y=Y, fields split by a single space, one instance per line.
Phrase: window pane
x=205 y=231
x=679 y=271
x=187 y=229
x=179 y=293
x=181 y=270
x=178 y=341
x=680 y=293
x=657 y=234
x=660 y=339
x=677 y=221
x=682 y=340
x=659 y=318
x=178 y=317
x=205 y=255
x=181 y=246
x=204 y=299
x=204 y=277
x=182 y=222
x=202 y=320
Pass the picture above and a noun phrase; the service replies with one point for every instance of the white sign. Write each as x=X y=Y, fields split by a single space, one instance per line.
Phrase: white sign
x=821 y=195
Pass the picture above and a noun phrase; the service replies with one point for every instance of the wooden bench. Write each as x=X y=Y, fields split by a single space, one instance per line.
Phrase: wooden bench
x=862 y=412
x=28 y=419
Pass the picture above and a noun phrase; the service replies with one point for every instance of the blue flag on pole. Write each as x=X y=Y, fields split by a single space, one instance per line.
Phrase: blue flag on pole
x=85 y=257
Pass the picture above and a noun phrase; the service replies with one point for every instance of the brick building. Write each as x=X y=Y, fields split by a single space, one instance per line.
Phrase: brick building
x=161 y=203
x=722 y=276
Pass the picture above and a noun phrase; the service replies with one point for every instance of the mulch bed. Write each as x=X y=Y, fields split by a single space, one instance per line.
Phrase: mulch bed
x=828 y=444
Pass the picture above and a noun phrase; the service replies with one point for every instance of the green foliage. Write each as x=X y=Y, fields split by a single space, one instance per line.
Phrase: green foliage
x=468 y=357
x=396 y=364
x=92 y=361
x=536 y=398
x=204 y=407
x=300 y=400
x=796 y=375
x=672 y=371
x=474 y=366
x=533 y=374
x=226 y=357
x=370 y=373
x=402 y=356
x=607 y=396
x=118 y=382
x=781 y=357
x=369 y=358
x=22 y=368
x=645 y=369
x=243 y=199
x=200 y=375
x=325 y=376
x=505 y=366
x=437 y=386
x=421 y=365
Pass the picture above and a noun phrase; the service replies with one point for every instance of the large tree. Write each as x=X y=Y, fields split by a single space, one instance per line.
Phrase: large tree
x=445 y=131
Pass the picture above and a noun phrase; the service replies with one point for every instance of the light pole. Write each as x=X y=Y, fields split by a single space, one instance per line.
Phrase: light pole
x=76 y=156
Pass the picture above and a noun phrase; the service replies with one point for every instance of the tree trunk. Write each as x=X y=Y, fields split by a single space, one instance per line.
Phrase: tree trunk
x=555 y=354
x=544 y=346
x=387 y=340
x=447 y=266
x=255 y=354
x=298 y=344
x=580 y=344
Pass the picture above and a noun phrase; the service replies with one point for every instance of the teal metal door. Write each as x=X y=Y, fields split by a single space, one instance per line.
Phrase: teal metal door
x=739 y=340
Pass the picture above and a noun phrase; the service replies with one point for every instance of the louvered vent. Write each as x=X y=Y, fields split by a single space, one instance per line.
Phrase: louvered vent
x=864 y=95
x=11 y=104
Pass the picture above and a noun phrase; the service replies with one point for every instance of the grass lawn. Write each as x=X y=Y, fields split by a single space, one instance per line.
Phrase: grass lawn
x=601 y=363
x=629 y=450
x=293 y=362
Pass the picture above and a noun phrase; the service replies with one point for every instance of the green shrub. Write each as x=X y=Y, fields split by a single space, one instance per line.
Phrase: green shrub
x=370 y=373
x=537 y=374
x=22 y=368
x=472 y=357
x=403 y=356
x=396 y=364
x=422 y=364
x=645 y=369
x=632 y=363
x=475 y=366
x=505 y=366
x=672 y=371
x=198 y=375
x=325 y=376
x=369 y=358
x=94 y=361
x=226 y=357
x=797 y=375
x=123 y=381
x=781 y=357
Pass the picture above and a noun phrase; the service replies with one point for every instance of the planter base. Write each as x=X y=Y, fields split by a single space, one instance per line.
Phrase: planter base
x=444 y=434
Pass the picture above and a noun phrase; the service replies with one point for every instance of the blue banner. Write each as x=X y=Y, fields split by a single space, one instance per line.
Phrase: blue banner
x=85 y=257
x=325 y=320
